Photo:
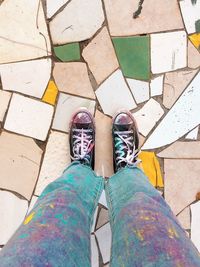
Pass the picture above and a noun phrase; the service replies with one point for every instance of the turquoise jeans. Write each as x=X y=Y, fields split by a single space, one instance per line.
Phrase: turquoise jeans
x=57 y=231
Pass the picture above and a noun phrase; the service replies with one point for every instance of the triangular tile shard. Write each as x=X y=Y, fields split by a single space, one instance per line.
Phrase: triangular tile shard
x=183 y=117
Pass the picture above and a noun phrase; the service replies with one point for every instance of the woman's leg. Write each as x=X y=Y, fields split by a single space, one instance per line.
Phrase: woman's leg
x=57 y=231
x=145 y=231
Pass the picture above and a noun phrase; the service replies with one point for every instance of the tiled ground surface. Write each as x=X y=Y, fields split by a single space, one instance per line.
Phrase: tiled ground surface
x=56 y=56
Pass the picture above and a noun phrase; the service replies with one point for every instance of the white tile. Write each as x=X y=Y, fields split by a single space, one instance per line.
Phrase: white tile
x=94 y=252
x=27 y=36
x=66 y=106
x=195 y=229
x=56 y=159
x=94 y=220
x=32 y=203
x=148 y=116
x=139 y=89
x=29 y=117
x=12 y=213
x=103 y=200
x=156 y=85
x=77 y=22
x=4 y=101
x=168 y=51
x=28 y=77
x=53 y=6
x=182 y=118
x=114 y=94
x=104 y=235
x=192 y=135
x=191 y=13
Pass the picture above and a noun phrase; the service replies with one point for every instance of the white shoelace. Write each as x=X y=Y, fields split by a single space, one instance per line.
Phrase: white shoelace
x=125 y=143
x=82 y=144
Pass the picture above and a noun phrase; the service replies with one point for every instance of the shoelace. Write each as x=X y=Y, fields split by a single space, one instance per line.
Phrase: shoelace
x=82 y=144
x=126 y=151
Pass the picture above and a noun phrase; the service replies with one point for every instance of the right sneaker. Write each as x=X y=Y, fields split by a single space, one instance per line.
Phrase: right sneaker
x=125 y=140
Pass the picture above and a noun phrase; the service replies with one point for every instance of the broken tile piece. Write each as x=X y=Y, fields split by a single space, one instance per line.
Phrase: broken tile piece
x=53 y=6
x=181 y=150
x=115 y=88
x=134 y=56
x=12 y=213
x=50 y=93
x=19 y=156
x=195 y=39
x=154 y=17
x=181 y=182
x=184 y=218
x=29 y=117
x=102 y=199
x=103 y=218
x=168 y=51
x=4 y=101
x=94 y=219
x=66 y=106
x=19 y=76
x=151 y=167
x=174 y=84
x=56 y=159
x=73 y=78
x=32 y=203
x=156 y=85
x=78 y=21
x=192 y=135
x=193 y=56
x=68 y=52
x=94 y=252
x=182 y=118
x=103 y=165
x=148 y=116
x=100 y=56
x=103 y=235
x=195 y=230
x=32 y=41
x=139 y=89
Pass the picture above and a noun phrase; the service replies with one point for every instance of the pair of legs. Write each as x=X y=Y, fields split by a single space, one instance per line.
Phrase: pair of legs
x=57 y=231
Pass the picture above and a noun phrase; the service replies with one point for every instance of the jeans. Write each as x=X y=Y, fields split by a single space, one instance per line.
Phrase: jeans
x=57 y=230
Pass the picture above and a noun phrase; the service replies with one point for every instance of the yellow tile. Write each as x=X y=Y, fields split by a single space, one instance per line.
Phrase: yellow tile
x=195 y=39
x=151 y=167
x=50 y=93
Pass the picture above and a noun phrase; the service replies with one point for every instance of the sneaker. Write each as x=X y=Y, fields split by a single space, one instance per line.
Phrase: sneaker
x=81 y=137
x=125 y=140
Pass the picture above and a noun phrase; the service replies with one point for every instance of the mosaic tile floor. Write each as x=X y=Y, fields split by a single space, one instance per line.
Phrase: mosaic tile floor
x=56 y=56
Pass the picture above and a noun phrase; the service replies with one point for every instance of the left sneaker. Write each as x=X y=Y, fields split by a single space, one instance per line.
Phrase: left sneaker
x=82 y=137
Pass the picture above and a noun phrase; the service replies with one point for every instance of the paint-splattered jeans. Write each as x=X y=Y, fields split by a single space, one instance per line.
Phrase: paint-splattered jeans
x=57 y=231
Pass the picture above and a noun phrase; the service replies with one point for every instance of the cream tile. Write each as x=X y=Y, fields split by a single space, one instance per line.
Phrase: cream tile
x=77 y=22
x=121 y=22
x=182 y=117
x=66 y=106
x=148 y=116
x=181 y=150
x=12 y=213
x=32 y=203
x=193 y=56
x=168 y=51
x=32 y=40
x=19 y=76
x=29 y=117
x=174 y=84
x=102 y=199
x=139 y=89
x=100 y=56
x=190 y=14
x=53 y=6
x=193 y=134
x=115 y=88
x=104 y=239
x=181 y=182
x=19 y=156
x=56 y=159
x=156 y=85
x=94 y=252
x=94 y=220
x=4 y=101
x=73 y=78
x=103 y=218
x=184 y=218
x=195 y=230
x=103 y=165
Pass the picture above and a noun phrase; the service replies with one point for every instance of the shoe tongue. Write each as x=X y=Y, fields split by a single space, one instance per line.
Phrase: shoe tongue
x=82 y=126
x=123 y=127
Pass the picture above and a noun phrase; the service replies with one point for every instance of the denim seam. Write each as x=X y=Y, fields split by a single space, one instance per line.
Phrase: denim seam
x=109 y=192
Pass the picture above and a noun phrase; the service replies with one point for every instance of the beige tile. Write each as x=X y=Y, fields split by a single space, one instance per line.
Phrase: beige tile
x=103 y=218
x=103 y=148
x=184 y=218
x=104 y=237
x=182 y=182
x=100 y=56
x=174 y=84
x=32 y=203
x=181 y=150
x=195 y=229
x=94 y=252
x=19 y=163
x=154 y=17
x=193 y=135
x=193 y=56
x=103 y=200
x=53 y=6
x=4 y=101
x=73 y=78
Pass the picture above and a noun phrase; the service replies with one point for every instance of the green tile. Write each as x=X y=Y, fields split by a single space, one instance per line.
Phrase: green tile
x=68 y=52
x=134 y=56
x=197 y=25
